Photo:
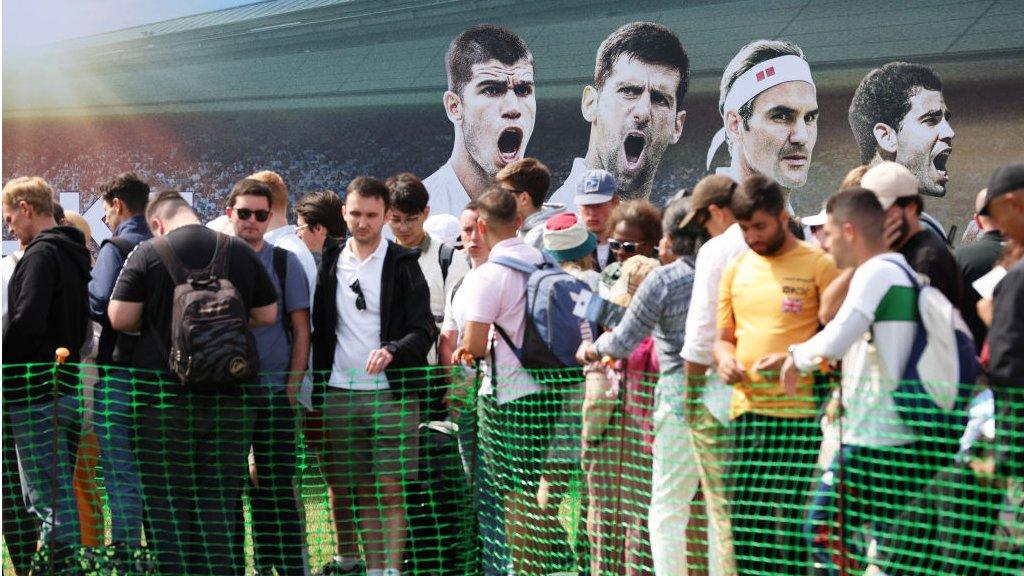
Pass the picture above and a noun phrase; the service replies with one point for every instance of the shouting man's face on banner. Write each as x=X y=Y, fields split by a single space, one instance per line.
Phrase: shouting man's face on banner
x=495 y=112
x=634 y=117
x=898 y=113
x=779 y=136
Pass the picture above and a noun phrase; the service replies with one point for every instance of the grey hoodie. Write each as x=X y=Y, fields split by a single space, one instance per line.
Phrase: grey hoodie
x=532 y=231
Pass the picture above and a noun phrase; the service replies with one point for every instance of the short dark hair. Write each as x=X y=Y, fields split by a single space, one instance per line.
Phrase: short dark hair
x=916 y=200
x=641 y=215
x=757 y=192
x=407 y=192
x=749 y=56
x=250 y=187
x=527 y=175
x=165 y=205
x=860 y=207
x=478 y=44
x=682 y=239
x=128 y=188
x=648 y=42
x=883 y=96
x=369 y=187
x=497 y=205
x=322 y=208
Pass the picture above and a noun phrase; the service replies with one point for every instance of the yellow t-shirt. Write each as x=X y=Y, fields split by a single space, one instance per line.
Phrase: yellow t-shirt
x=772 y=303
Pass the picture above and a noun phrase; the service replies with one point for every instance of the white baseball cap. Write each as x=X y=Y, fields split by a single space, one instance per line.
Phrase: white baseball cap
x=890 y=181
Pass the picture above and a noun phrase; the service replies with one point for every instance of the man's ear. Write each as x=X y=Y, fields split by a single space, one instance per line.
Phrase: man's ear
x=426 y=213
x=733 y=122
x=677 y=129
x=452 y=106
x=588 y=104
x=886 y=138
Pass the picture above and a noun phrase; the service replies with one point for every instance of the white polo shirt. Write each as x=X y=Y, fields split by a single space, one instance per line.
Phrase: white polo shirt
x=447 y=194
x=358 y=331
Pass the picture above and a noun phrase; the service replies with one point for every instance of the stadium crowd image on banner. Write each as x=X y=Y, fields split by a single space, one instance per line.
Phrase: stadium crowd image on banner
x=569 y=287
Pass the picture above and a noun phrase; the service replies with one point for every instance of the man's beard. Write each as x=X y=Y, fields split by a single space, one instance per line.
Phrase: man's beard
x=773 y=246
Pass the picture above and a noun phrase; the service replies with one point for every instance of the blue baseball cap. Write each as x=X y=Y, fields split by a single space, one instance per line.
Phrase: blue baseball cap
x=595 y=187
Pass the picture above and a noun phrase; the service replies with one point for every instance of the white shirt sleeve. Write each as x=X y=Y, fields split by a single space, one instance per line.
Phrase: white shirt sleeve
x=701 y=320
x=834 y=340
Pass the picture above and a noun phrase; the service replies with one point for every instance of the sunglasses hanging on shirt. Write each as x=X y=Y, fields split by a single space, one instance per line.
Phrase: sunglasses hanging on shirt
x=360 y=299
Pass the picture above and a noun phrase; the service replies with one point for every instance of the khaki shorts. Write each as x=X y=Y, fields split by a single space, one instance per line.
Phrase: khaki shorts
x=371 y=434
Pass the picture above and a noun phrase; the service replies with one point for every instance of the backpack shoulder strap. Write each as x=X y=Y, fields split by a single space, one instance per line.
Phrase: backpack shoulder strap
x=515 y=264
x=444 y=258
x=123 y=245
x=177 y=270
x=220 y=265
x=281 y=271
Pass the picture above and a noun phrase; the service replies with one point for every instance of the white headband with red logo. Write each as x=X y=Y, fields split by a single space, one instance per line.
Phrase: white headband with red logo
x=757 y=79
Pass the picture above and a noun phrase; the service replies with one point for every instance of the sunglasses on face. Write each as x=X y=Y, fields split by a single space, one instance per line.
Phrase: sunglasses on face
x=246 y=213
x=360 y=298
x=627 y=247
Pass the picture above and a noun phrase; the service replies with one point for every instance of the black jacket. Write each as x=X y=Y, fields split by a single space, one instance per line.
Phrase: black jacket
x=975 y=260
x=49 y=309
x=406 y=323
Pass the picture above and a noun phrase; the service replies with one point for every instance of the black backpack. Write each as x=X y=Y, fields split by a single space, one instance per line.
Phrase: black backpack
x=211 y=347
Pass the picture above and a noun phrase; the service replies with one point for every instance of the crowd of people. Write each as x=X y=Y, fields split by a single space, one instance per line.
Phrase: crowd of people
x=427 y=329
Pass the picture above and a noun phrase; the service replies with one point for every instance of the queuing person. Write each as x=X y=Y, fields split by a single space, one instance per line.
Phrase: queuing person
x=48 y=301
x=596 y=197
x=124 y=205
x=191 y=446
x=1004 y=202
x=520 y=409
x=710 y=211
x=975 y=260
x=279 y=231
x=898 y=191
x=529 y=179
x=318 y=217
x=371 y=328
x=768 y=301
x=283 y=349
x=659 y=308
x=880 y=455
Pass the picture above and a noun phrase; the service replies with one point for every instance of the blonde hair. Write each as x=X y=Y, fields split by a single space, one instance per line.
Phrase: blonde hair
x=32 y=190
x=852 y=178
x=278 y=189
x=78 y=221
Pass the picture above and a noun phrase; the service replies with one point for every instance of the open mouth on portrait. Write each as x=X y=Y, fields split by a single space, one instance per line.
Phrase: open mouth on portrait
x=633 y=148
x=509 y=143
x=939 y=163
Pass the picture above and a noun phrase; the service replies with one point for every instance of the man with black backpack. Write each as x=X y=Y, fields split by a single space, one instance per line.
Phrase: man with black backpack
x=283 y=348
x=190 y=292
x=887 y=452
x=124 y=206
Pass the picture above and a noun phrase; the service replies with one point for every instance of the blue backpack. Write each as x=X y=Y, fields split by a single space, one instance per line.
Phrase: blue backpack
x=555 y=316
x=935 y=391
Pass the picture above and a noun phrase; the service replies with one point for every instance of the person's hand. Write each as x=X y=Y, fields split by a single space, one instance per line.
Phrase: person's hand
x=378 y=361
x=985 y=310
x=834 y=409
x=292 y=390
x=789 y=376
x=586 y=351
x=462 y=357
x=731 y=371
x=770 y=363
x=893 y=228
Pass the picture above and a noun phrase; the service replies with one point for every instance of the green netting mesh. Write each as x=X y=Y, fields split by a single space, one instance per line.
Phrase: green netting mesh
x=596 y=473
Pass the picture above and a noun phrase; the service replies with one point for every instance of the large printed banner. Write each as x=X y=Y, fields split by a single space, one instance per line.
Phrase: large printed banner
x=636 y=108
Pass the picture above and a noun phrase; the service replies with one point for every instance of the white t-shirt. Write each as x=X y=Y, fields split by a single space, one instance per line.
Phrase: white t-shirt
x=358 y=331
x=873 y=332
x=447 y=194
x=566 y=193
x=286 y=237
x=496 y=294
